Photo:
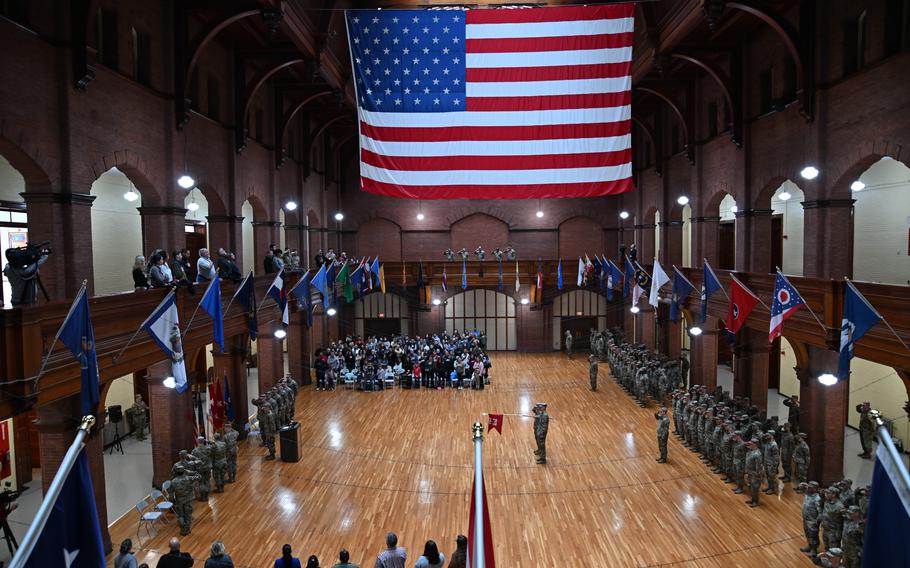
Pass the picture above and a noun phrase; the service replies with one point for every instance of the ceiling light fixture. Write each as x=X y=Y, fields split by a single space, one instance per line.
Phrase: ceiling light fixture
x=525 y=301
x=784 y=196
x=131 y=195
x=624 y=215
x=634 y=309
x=170 y=382
x=827 y=379
x=290 y=205
x=857 y=186
x=809 y=172
x=331 y=311
x=280 y=334
x=436 y=301
x=695 y=331
x=339 y=216
x=682 y=200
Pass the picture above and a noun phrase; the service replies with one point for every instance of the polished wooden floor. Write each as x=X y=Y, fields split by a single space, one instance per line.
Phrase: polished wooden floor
x=402 y=461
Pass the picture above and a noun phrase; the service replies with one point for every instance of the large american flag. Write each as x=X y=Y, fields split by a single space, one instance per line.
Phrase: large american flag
x=494 y=103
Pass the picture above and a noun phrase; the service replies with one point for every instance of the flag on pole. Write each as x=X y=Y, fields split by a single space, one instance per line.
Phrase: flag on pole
x=330 y=283
x=228 y=403
x=681 y=288
x=71 y=537
x=464 y=274
x=742 y=301
x=858 y=318
x=786 y=301
x=888 y=520
x=559 y=275
x=511 y=96
x=614 y=275
x=163 y=326
x=357 y=279
x=276 y=291
x=628 y=276
x=367 y=276
x=710 y=285
x=444 y=282
x=374 y=271
x=489 y=559
x=211 y=303
x=246 y=295
x=216 y=408
x=381 y=276
x=581 y=272
x=344 y=275
x=319 y=282
x=301 y=291
x=517 y=280
x=495 y=423
x=658 y=279
x=78 y=335
x=539 y=277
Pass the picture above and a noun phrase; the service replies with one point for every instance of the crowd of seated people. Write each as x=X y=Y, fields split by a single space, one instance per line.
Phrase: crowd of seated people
x=437 y=361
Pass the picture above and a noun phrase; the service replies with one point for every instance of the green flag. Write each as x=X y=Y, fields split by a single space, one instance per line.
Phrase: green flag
x=345 y=278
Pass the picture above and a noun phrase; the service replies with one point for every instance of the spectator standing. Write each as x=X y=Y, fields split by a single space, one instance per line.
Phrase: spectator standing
x=460 y=556
x=205 y=268
x=140 y=277
x=175 y=558
x=268 y=263
x=393 y=556
x=125 y=558
x=287 y=560
x=219 y=557
x=177 y=270
x=166 y=267
x=157 y=276
x=431 y=557
x=344 y=560
x=187 y=264
x=312 y=562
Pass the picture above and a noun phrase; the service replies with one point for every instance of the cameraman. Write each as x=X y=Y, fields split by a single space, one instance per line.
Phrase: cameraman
x=23 y=276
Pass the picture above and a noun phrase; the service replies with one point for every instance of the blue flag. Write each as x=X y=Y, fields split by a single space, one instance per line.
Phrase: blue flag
x=888 y=521
x=681 y=288
x=614 y=275
x=301 y=291
x=211 y=303
x=629 y=276
x=710 y=285
x=72 y=535
x=464 y=274
x=318 y=282
x=374 y=272
x=357 y=280
x=163 y=326
x=246 y=295
x=77 y=334
x=330 y=283
x=228 y=403
x=559 y=275
x=500 y=275
x=419 y=275
x=859 y=317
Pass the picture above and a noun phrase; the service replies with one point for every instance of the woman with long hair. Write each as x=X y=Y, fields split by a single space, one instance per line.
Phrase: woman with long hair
x=287 y=560
x=140 y=276
x=431 y=558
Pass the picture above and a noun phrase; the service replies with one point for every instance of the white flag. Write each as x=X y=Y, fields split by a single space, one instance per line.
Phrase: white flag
x=163 y=326
x=581 y=272
x=658 y=279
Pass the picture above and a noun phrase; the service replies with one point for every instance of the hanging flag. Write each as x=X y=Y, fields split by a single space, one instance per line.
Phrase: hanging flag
x=464 y=274
x=216 y=408
x=614 y=275
x=559 y=275
x=637 y=292
x=500 y=276
x=489 y=559
x=658 y=279
x=79 y=337
x=859 y=317
x=604 y=269
x=228 y=403
x=319 y=282
x=786 y=301
x=539 y=277
x=344 y=276
x=357 y=279
x=710 y=285
x=163 y=326
x=444 y=282
x=628 y=276
x=742 y=301
x=374 y=271
x=211 y=303
x=495 y=423
x=330 y=283
x=276 y=291
x=681 y=288
x=381 y=277
x=71 y=536
x=246 y=295
x=517 y=280
x=885 y=541
x=490 y=68
x=367 y=276
x=581 y=272
x=404 y=277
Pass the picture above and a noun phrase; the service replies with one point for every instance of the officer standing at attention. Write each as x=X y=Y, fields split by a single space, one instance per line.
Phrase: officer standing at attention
x=568 y=335
x=812 y=513
x=268 y=426
x=182 y=493
x=219 y=462
x=754 y=468
x=663 y=432
x=230 y=440
x=592 y=370
x=140 y=417
x=203 y=453
x=541 y=425
x=866 y=429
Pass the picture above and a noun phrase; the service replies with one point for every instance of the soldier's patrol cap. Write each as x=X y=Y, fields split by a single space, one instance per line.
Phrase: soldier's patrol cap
x=753 y=441
x=845 y=481
x=803 y=435
x=833 y=489
x=853 y=509
x=835 y=552
x=179 y=469
x=813 y=484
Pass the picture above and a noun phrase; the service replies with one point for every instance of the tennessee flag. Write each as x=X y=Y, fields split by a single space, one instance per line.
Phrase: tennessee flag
x=742 y=301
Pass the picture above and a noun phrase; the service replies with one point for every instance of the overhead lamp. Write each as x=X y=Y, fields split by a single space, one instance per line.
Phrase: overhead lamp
x=131 y=195
x=420 y=217
x=436 y=301
x=280 y=334
x=539 y=214
x=784 y=196
x=624 y=215
x=193 y=206
x=682 y=200
x=857 y=186
x=734 y=209
x=331 y=311
x=696 y=331
x=525 y=301
x=827 y=379
x=290 y=205
x=634 y=309
x=186 y=181
x=809 y=172
x=339 y=216
x=170 y=382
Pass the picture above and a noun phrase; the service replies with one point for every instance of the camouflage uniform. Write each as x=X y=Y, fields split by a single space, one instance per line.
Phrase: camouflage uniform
x=801 y=458
x=754 y=471
x=230 y=440
x=219 y=462
x=853 y=538
x=739 y=461
x=866 y=429
x=541 y=425
x=771 y=457
x=812 y=511
x=663 y=432
x=787 y=446
x=592 y=371
x=203 y=454
x=140 y=417
x=832 y=518
x=181 y=493
x=267 y=429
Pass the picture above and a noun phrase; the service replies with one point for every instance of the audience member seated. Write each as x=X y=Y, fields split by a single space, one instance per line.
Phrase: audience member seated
x=140 y=276
x=219 y=558
x=393 y=556
x=125 y=558
x=175 y=558
x=286 y=560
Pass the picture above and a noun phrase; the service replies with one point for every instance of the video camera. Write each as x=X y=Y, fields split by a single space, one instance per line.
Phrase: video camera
x=23 y=257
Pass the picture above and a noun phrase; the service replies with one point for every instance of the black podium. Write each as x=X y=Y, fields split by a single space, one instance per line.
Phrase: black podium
x=290 y=442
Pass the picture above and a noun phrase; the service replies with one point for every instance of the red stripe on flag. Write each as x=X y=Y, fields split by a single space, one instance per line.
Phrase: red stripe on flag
x=499 y=133
x=564 y=43
x=554 y=73
x=537 y=162
x=556 y=14
x=550 y=102
x=533 y=191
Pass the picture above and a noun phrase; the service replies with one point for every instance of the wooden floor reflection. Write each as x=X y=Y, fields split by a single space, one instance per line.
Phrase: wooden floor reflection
x=401 y=461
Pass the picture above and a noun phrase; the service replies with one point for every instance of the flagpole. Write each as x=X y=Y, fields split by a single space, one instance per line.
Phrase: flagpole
x=50 y=497
x=234 y=297
x=804 y=302
x=884 y=438
x=880 y=316
x=722 y=289
x=192 y=317
x=59 y=331
x=141 y=325
x=479 y=555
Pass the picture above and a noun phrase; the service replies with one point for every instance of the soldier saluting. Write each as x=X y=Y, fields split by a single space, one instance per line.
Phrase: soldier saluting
x=663 y=432
x=541 y=425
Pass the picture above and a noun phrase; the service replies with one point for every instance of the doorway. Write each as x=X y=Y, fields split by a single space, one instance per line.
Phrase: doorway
x=726 y=245
x=381 y=327
x=195 y=240
x=580 y=326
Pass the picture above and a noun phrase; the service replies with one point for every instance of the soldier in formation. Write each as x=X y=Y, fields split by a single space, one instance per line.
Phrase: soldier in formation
x=663 y=432
x=140 y=417
x=203 y=455
x=219 y=462
x=853 y=537
x=592 y=370
x=276 y=410
x=230 y=440
x=568 y=341
x=787 y=445
x=268 y=427
x=644 y=375
x=812 y=513
x=771 y=459
x=754 y=470
x=541 y=426
x=181 y=492
x=832 y=520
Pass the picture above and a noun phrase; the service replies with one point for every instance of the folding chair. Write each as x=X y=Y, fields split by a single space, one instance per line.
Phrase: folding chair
x=160 y=503
x=147 y=518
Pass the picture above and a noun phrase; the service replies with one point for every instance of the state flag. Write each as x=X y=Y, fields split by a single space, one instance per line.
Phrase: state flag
x=742 y=302
x=786 y=301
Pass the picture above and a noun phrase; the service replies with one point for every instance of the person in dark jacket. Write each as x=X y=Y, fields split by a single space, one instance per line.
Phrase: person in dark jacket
x=287 y=560
x=460 y=556
x=140 y=277
x=175 y=558
x=219 y=558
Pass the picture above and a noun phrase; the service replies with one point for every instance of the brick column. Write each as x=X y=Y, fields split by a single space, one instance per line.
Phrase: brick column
x=162 y=227
x=264 y=234
x=753 y=235
x=57 y=424
x=269 y=358
x=671 y=252
x=170 y=421
x=64 y=219
x=703 y=355
x=704 y=240
x=300 y=348
x=232 y=364
x=828 y=238
x=645 y=323
x=644 y=241
x=750 y=372
x=226 y=231
x=822 y=415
